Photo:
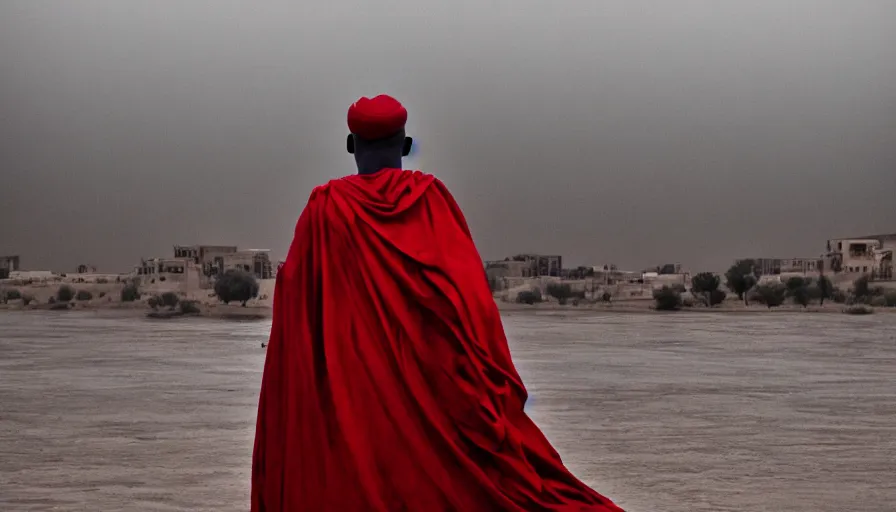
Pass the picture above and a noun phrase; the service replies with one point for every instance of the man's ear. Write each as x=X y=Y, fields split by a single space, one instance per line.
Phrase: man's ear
x=350 y=144
x=406 y=147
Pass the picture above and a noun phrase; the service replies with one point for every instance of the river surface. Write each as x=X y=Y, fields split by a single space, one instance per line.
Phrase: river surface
x=677 y=413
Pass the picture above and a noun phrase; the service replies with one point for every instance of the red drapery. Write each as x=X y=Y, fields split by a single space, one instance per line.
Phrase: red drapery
x=388 y=384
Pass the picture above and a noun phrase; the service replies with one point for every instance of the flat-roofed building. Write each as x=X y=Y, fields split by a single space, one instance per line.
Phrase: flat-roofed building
x=870 y=255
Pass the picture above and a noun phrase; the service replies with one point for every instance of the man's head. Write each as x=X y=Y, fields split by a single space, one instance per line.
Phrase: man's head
x=377 y=137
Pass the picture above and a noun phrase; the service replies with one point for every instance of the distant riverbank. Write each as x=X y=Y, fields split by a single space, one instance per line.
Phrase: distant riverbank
x=262 y=309
x=112 y=297
x=140 y=308
x=647 y=307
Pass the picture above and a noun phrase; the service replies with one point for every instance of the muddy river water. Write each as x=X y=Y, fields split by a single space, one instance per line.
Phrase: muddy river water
x=678 y=413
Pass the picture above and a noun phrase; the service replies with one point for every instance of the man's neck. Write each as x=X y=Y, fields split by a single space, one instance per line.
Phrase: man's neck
x=373 y=162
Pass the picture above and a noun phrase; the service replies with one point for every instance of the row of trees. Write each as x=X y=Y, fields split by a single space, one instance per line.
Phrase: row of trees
x=173 y=302
x=562 y=292
x=232 y=286
x=68 y=294
x=741 y=279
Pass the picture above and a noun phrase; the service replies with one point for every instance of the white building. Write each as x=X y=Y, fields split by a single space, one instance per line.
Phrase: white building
x=173 y=271
x=864 y=255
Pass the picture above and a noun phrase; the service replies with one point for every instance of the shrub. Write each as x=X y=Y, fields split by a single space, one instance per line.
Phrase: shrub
x=838 y=296
x=799 y=292
x=560 y=291
x=12 y=295
x=606 y=297
x=83 y=295
x=717 y=297
x=65 y=293
x=772 y=295
x=858 y=309
x=130 y=293
x=153 y=302
x=710 y=298
x=236 y=286
x=890 y=298
x=824 y=289
x=189 y=307
x=861 y=288
x=101 y=280
x=667 y=299
x=162 y=279
x=741 y=278
x=705 y=282
x=795 y=283
x=102 y=294
x=705 y=288
x=529 y=297
x=169 y=299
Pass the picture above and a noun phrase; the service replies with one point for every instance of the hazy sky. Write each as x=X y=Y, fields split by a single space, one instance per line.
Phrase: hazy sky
x=625 y=132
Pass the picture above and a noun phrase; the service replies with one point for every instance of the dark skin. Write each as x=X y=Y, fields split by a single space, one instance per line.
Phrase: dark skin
x=375 y=155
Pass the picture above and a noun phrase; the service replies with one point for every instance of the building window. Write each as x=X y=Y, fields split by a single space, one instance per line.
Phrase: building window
x=865 y=269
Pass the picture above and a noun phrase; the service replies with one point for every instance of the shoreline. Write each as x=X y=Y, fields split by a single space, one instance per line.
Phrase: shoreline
x=264 y=311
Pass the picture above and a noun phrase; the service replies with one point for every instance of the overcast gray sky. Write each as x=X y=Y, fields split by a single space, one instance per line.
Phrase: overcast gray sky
x=626 y=132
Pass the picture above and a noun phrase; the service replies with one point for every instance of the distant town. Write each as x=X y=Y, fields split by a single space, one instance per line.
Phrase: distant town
x=192 y=268
x=842 y=261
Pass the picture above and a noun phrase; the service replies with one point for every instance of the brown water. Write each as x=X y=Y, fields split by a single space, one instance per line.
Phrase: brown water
x=677 y=413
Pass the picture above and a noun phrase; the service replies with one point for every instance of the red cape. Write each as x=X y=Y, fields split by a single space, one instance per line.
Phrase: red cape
x=388 y=384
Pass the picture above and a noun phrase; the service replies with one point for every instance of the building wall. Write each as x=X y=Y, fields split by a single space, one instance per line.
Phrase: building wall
x=866 y=255
x=8 y=264
x=182 y=272
x=187 y=251
x=19 y=276
x=670 y=280
x=501 y=269
x=256 y=262
x=541 y=265
x=93 y=277
x=210 y=258
x=777 y=266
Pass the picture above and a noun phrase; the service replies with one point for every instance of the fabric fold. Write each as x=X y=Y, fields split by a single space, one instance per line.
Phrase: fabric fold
x=388 y=383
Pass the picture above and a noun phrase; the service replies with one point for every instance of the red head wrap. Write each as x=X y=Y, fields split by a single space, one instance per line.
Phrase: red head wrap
x=376 y=118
